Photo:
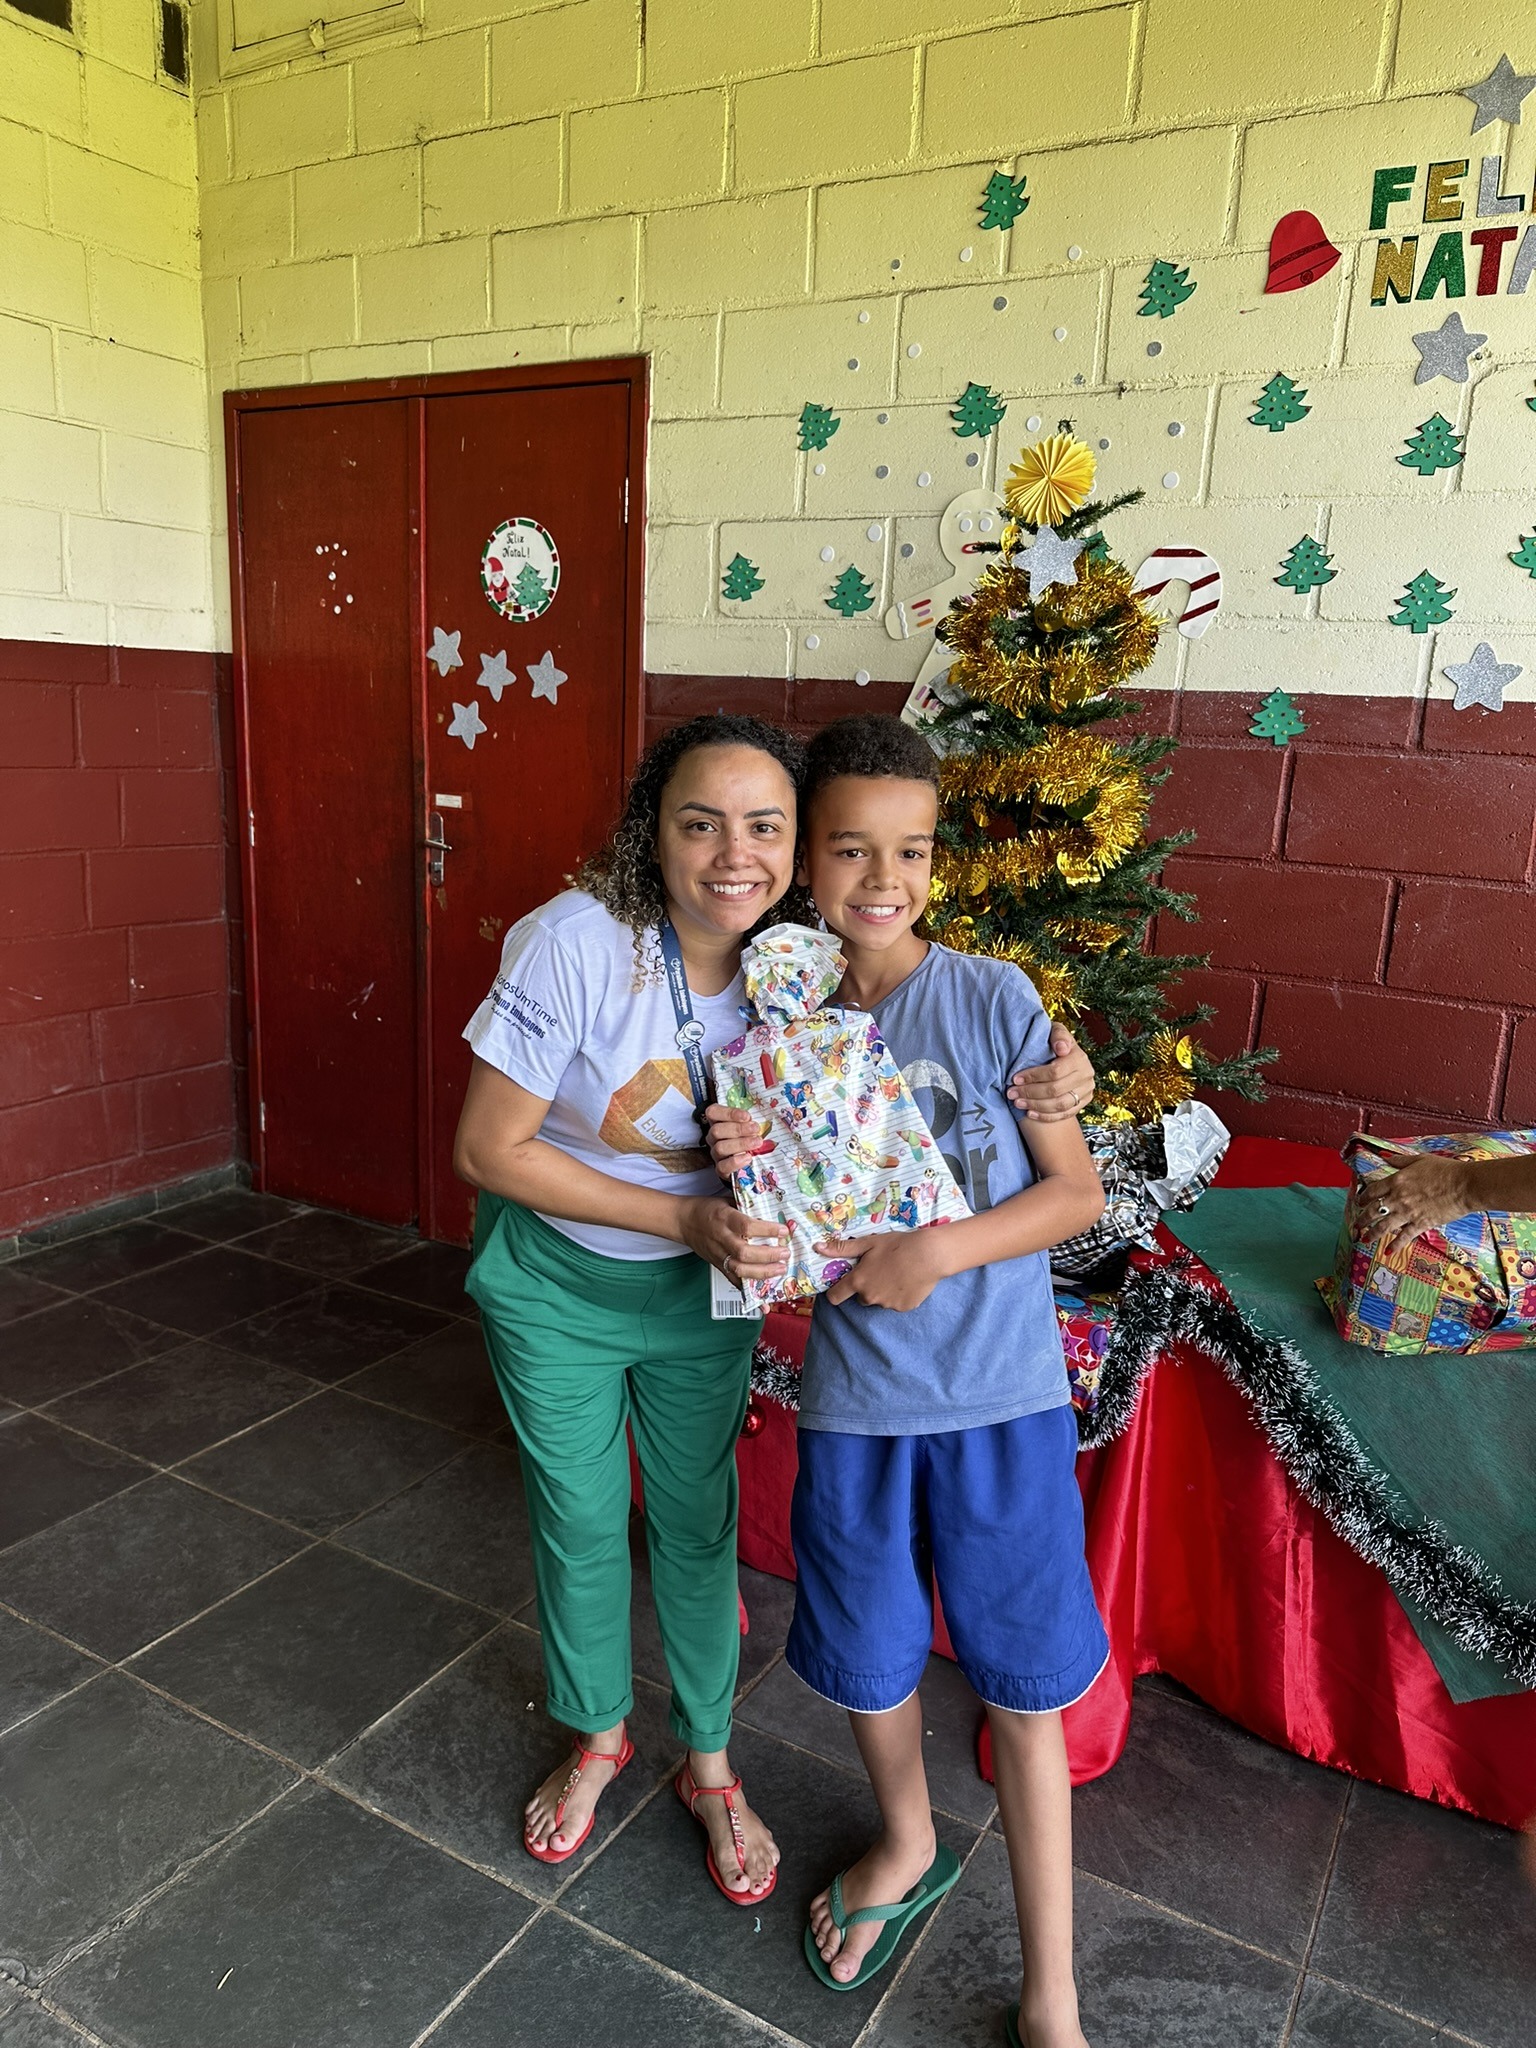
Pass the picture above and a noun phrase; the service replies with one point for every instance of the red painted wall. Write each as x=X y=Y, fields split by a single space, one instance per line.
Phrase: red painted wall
x=115 y=993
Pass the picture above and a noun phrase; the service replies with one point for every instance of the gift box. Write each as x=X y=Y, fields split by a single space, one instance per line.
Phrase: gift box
x=1469 y=1286
x=843 y=1149
x=1145 y=1169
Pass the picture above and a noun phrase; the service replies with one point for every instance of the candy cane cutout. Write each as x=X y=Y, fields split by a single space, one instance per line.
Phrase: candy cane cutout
x=1183 y=565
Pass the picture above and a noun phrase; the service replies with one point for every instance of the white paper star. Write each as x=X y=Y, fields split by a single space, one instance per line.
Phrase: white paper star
x=546 y=678
x=1049 y=560
x=444 y=650
x=495 y=676
x=1498 y=96
x=467 y=724
x=1443 y=352
x=1482 y=680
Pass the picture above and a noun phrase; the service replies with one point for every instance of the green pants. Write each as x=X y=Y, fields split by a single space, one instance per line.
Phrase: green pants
x=582 y=1345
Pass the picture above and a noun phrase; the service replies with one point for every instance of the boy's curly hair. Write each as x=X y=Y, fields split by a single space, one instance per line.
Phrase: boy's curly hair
x=624 y=874
x=872 y=743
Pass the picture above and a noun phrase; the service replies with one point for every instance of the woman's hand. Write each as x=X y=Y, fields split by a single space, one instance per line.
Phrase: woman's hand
x=732 y=1136
x=722 y=1236
x=1420 y=1196
x=1060 y=1089
x=895 y=1269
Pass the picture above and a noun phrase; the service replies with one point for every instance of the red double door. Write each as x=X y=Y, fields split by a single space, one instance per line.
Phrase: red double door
x=362 y=517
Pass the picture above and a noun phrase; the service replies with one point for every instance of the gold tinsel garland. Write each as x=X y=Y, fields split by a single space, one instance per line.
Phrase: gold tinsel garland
x=1067 y=770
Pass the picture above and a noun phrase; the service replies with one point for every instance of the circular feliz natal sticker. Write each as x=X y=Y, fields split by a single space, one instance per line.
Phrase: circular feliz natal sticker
x=520 y=570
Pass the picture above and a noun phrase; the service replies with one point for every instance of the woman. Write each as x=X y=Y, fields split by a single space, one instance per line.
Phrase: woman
x=598 y=1220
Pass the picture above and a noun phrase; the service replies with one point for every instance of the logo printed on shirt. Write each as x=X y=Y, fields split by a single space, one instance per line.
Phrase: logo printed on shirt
x=971 y=1159
x=641 y=1118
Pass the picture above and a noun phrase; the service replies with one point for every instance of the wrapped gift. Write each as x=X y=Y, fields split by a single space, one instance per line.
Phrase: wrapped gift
x=1469 y=1286
x=843 y=1149
x=1145 y=1169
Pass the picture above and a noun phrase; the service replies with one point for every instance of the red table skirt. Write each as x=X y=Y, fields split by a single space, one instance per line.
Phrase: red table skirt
x=1209 y=1566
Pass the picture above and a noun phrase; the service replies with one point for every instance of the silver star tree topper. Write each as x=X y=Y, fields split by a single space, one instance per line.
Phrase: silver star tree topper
x=1498 y=96
x=444 y=651
x=1049 y=560
x=1482 y=680
x=467 y=724
x=546 y=678
x=1445 y=351
x=495 y=676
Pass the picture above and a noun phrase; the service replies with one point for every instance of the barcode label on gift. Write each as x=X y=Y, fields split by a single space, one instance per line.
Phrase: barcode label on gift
x=727 y=1303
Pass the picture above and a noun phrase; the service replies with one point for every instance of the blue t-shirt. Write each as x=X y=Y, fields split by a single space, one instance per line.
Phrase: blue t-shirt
x=985 y=1346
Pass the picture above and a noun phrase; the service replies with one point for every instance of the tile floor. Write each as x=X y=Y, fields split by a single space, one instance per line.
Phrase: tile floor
x=269 y=1684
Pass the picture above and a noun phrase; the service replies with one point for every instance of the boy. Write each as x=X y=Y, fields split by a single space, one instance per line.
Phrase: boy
x=936 y=1433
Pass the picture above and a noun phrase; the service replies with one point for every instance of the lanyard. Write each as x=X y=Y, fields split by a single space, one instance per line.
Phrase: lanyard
x=689 y=1030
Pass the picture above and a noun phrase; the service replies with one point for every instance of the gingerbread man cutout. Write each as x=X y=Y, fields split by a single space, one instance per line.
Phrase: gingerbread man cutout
x=971 y=520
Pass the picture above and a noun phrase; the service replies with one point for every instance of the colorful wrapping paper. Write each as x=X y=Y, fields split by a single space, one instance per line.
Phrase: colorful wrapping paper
x=844 y=1151
x=1469 y=1286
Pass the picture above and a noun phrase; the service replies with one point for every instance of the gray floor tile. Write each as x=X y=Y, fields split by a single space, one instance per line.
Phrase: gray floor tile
x=335 y=1331
x=34 y=1670
x=70 y=1345
x=122 y=1573
x=1429 y=1912
x=205 y=1293
x=1329 y=2017
x=317 y=1925
x=47 y=1473
x=322 y=1242
x=446 y=1378
x=459 y=1761
x=463 y=1527
x=431 y=1274
x=232 y=1212
x=82 y=1264
x=108 y=1793
x=527 y=2002
x=21 y=1296
x=311 y=1655
x=321 y=1464
x=952 y=1714
x=1203 y=1817
x=178 y=1403
x=29 y=2026
x=650 y=1889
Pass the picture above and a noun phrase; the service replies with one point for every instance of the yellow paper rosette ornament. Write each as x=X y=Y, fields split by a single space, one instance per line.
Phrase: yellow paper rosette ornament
x=1050 y=480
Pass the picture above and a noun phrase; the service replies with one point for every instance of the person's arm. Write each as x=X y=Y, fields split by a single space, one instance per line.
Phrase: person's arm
x=498 y=1148
x=900 y=1269
x=1062 y=1088
x=1432 y=1190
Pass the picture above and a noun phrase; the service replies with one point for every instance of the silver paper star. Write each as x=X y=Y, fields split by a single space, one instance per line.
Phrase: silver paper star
x=546 y=678
x=1482 y=680
x=1498 y=96
x=467 y=724
x=1443 y=352
x=444 y=650
x=1049 y=560
x=495 y=676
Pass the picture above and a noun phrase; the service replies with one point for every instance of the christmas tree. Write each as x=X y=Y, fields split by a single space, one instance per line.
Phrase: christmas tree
x=1043 y=857
x=1003 y=200
x=979 y=410
x=1279 y=719
x=1280 y=406
x=530 y=589
x=851 y=593
x=1165 y=290
x=741 y=580
x=1423 y=604
x=818 y=423
x=1524 y=556
x=1307 y=566
x=1435 y=446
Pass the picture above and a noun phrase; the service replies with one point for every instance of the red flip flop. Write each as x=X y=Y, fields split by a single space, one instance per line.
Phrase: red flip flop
x=728 y=1794
x=583 y=1758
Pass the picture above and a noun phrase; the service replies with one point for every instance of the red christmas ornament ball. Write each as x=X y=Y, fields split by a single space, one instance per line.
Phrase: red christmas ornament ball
x=1299 y=253
x=752 y=1421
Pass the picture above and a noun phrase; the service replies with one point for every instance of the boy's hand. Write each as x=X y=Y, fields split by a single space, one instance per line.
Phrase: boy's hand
x=1062 y=1088
x=732 y=1135
x=896 y=1269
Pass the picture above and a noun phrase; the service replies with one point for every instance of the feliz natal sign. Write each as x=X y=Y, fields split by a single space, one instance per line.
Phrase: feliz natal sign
x=1441 y=197
x=520 y=570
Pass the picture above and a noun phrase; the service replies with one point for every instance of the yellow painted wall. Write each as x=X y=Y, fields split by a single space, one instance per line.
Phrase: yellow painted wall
x=104 y=459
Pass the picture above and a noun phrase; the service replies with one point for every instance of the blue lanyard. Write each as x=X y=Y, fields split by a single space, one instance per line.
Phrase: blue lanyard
x=689 y=1030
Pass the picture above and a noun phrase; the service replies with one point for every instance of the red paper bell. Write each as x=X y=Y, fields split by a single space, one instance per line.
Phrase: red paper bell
x=1299 y=253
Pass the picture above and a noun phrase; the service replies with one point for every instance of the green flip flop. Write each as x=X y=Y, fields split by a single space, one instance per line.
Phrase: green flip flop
x=935 y=1881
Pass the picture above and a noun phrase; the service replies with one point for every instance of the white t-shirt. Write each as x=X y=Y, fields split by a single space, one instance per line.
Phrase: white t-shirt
x=565 y=1021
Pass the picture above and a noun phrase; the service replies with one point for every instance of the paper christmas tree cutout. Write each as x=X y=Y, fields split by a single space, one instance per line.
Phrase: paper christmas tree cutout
x=1436 y=445
x=1524 y=556
x=530 y=589
x=818 y=423
x=741 y=581
x=851 y=593
x=1165 y=290
x=1280 y=405
x=1278 y=718
x=1307 y=566
x=1423 y=604
x=1003 y=200
x=978 y=411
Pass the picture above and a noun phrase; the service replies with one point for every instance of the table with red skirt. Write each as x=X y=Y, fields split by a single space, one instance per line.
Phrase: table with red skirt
x=1210 y=1566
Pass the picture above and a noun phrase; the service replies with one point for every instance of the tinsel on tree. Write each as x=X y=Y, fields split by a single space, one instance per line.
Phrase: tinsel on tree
x=1043 y=854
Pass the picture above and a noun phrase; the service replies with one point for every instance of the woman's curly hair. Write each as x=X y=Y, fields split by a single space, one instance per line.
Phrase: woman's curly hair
x=624 y=874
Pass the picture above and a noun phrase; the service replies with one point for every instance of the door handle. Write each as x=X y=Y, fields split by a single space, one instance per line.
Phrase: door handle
x=436 y=846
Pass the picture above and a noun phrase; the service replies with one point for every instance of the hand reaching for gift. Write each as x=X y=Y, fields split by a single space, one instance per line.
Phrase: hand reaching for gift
x=742 y=1246
x=732 y=1135
x=1062 y=1088
x=1432 y=1190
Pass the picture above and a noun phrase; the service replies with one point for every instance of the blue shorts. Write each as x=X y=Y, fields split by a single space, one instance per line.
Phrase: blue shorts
x=993 y=1515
